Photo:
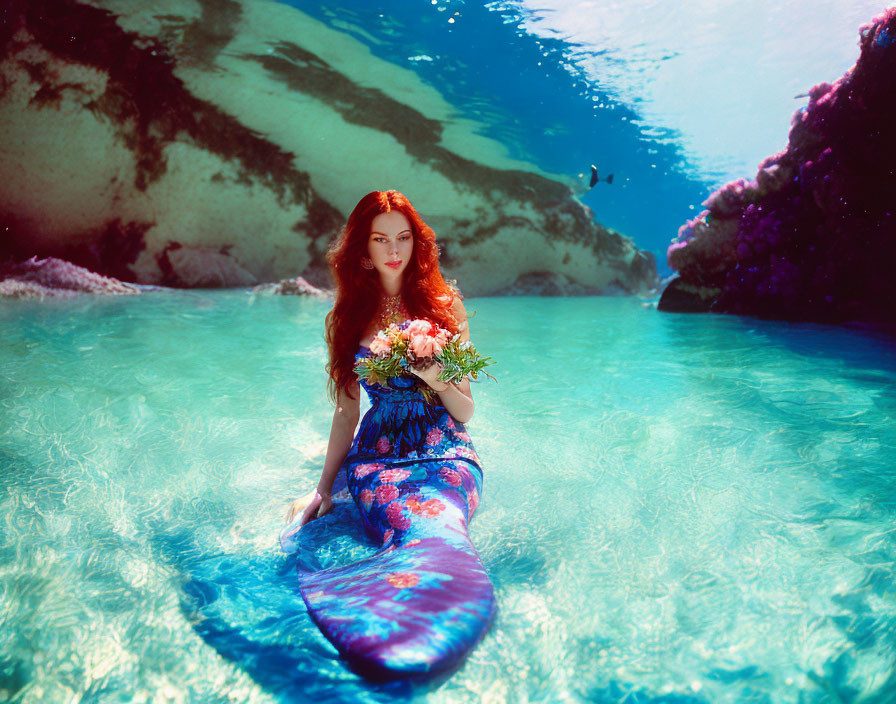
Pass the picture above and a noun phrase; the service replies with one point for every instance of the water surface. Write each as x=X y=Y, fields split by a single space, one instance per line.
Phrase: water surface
x=676 y=508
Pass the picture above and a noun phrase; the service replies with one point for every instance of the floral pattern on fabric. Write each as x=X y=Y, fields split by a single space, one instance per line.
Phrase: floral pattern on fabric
x=424 y=599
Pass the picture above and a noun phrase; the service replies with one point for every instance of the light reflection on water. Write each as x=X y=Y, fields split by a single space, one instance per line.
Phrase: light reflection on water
x=694 y=507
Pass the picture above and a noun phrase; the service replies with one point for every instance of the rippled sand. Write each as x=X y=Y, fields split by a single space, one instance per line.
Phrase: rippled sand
x=699 y=507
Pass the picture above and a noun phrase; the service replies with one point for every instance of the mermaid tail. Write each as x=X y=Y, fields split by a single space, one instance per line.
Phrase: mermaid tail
x=421 y=603
x=423 y=600
x=408 y=610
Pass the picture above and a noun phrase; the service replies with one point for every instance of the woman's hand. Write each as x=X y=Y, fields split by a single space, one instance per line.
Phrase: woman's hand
x=312 y=506
x=431 y=376
x=456 y=397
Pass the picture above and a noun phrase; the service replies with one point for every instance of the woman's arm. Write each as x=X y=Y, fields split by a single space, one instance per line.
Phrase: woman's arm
x=457 y=399
x=342 y=432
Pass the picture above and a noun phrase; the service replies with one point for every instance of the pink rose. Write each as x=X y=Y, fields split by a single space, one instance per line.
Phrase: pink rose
x=443 y=337
x=434 y=437
x=425 y=346
x=362 y=470
x=381 y=345
x=432 y=508
x=402 y=580
x=366 y=498
x=473 y=500
x=462 y=436
x=394 y=475
x=414 y=504
x=450 y=423
x=449 y=476
x=396 y=517
x=418 y=327
x=386 y=493
x=465 y=452
x=383 y=445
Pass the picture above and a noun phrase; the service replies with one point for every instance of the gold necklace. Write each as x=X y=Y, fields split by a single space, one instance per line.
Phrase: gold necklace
x=391 y=310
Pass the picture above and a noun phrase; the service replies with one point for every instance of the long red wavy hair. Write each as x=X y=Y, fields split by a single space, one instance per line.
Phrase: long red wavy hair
x=424 y=291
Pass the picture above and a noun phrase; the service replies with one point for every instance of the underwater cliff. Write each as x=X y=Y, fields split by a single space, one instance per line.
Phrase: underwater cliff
x=813 y=236
x=224 y=144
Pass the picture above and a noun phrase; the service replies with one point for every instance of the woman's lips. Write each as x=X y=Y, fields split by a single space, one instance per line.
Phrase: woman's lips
x=394 y=265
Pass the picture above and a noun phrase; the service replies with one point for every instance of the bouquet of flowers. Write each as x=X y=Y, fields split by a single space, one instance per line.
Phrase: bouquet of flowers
x=420 y=343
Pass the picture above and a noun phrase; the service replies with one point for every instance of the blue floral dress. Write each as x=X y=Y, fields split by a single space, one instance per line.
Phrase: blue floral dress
x=424 y=599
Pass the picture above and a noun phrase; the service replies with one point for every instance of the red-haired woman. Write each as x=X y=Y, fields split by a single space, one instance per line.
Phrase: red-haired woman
x=424 y=599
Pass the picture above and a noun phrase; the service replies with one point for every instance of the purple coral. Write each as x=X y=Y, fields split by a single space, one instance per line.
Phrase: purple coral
x=814 y=236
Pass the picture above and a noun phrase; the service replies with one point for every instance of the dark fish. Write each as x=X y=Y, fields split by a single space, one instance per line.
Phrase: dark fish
x=595 y=179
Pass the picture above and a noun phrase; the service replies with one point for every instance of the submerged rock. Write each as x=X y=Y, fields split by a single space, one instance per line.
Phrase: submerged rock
x=197 y=267
x=224 y=144
x=549 y=283
x=298 y=286
x=681 y=297
x=54 y=278
x=813 y=236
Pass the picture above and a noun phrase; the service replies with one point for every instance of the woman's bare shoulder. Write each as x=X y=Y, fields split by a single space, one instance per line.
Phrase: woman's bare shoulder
x=458 y=309
x=453 y=292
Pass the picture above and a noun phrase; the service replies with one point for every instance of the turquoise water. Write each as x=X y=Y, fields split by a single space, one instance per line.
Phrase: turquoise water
x=676 y=508
x=674 y=99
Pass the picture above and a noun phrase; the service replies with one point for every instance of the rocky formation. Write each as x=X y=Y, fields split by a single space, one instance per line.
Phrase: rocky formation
x=549 y=283
x=298 y=286
x=813 y=236
x=54 y=278
x=199 y=143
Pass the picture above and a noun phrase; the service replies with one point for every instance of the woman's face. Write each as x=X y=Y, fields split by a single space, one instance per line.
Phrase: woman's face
x=390 y=245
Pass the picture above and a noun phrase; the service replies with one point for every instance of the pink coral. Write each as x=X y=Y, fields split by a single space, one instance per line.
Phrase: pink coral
x=811 y=237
